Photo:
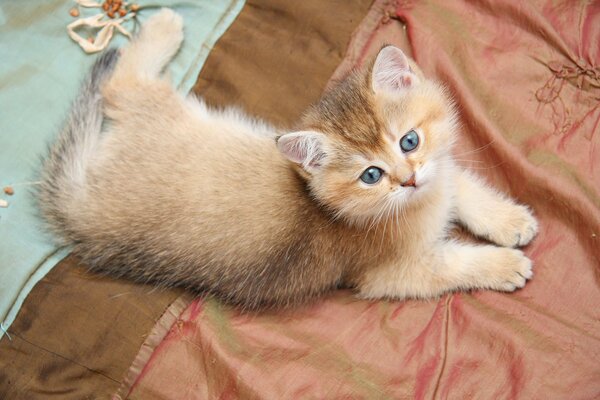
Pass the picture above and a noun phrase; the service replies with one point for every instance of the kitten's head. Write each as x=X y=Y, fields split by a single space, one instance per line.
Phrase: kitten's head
x=376 y=143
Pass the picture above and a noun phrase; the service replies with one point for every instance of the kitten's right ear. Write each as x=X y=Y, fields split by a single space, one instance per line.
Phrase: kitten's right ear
x=306 y=148
x=391 y=71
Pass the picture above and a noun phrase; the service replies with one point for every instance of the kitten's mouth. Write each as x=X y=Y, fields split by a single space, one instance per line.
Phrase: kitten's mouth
x=407 y=192
x=410 y=191
x=414 y=185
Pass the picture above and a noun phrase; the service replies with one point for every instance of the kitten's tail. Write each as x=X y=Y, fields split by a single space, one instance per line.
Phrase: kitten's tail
x=63 y=173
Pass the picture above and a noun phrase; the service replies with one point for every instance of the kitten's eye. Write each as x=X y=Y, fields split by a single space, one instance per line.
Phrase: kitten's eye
x=410 y=141
x=371 y=175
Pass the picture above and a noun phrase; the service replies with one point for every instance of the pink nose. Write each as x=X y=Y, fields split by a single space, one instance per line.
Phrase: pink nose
x=410 y=182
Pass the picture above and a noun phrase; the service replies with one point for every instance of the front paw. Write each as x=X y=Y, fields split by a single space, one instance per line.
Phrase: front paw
x=509 y=270
x=513 y=226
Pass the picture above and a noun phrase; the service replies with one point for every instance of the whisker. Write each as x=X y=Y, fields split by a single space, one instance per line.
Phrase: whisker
x=389 y=213
x=449 y=163
x=484 y=168
x=489 y=167
x=461 y=160
x=397 y=212
x=477 y=150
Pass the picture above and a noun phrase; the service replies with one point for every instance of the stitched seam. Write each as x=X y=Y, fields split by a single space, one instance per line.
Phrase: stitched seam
x=65 y=358
x=445 y=341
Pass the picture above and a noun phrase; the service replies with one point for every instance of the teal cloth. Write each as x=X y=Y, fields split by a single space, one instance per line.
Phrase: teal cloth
x=40 y=71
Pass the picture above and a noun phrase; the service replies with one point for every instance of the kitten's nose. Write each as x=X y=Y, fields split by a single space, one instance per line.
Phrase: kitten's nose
x=409 y=182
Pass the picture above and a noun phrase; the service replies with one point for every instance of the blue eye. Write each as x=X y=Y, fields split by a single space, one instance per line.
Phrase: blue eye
x=410 y=141
x=371 y=175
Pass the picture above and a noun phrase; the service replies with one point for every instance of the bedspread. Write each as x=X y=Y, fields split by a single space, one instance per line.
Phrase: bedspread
x=525 y=78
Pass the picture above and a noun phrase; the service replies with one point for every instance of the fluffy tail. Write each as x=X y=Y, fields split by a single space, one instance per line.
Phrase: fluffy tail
x=63 y=172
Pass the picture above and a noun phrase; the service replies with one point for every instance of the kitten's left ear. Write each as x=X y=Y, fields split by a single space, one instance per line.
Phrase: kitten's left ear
x=391 y=71
x=307 y=148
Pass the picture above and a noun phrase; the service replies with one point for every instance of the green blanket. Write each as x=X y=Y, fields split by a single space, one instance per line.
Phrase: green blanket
x=39 y=75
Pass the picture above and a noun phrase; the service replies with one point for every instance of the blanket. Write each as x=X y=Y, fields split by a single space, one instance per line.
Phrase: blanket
x=525 y=78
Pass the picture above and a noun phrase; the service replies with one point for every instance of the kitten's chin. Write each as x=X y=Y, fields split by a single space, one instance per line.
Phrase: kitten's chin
x=408 y=194
x=380 y=215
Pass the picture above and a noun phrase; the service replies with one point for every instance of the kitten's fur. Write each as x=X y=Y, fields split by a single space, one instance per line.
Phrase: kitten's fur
x=173 y=192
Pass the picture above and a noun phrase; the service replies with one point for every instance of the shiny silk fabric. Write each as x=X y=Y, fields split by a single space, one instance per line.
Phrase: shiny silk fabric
x=526 y=79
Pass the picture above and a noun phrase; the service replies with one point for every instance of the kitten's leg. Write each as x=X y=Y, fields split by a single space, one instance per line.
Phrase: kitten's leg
x=449 y=267
x=135 y=88
x=151 y=50
x=491 y=215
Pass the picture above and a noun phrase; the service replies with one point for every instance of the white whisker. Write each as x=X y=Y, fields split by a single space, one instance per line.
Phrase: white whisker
x=477 y=150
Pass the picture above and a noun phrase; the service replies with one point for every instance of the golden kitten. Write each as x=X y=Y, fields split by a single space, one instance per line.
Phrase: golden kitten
x=171 y=191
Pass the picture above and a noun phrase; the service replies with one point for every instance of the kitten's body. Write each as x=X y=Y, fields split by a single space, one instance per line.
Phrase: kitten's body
x=178 y=194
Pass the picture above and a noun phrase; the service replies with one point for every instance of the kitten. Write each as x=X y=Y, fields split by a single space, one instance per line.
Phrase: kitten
x=173 y=192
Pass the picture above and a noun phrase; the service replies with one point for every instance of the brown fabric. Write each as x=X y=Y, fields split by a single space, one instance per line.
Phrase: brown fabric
x=77 y=334
x=276 y=58
x=525 y=78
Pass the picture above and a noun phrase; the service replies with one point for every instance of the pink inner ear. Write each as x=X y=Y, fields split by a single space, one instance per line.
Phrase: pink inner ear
x=302 y=148
x=291 y=149
x=395 y=57
x=391 y=71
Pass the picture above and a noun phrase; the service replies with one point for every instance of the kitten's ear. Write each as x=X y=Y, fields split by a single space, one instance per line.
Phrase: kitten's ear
x=307 y=148
x=391 y=71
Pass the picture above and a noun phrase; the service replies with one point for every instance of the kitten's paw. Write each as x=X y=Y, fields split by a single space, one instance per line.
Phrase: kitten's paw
x=164 y=28
x=513 y=227
x=511 y=270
